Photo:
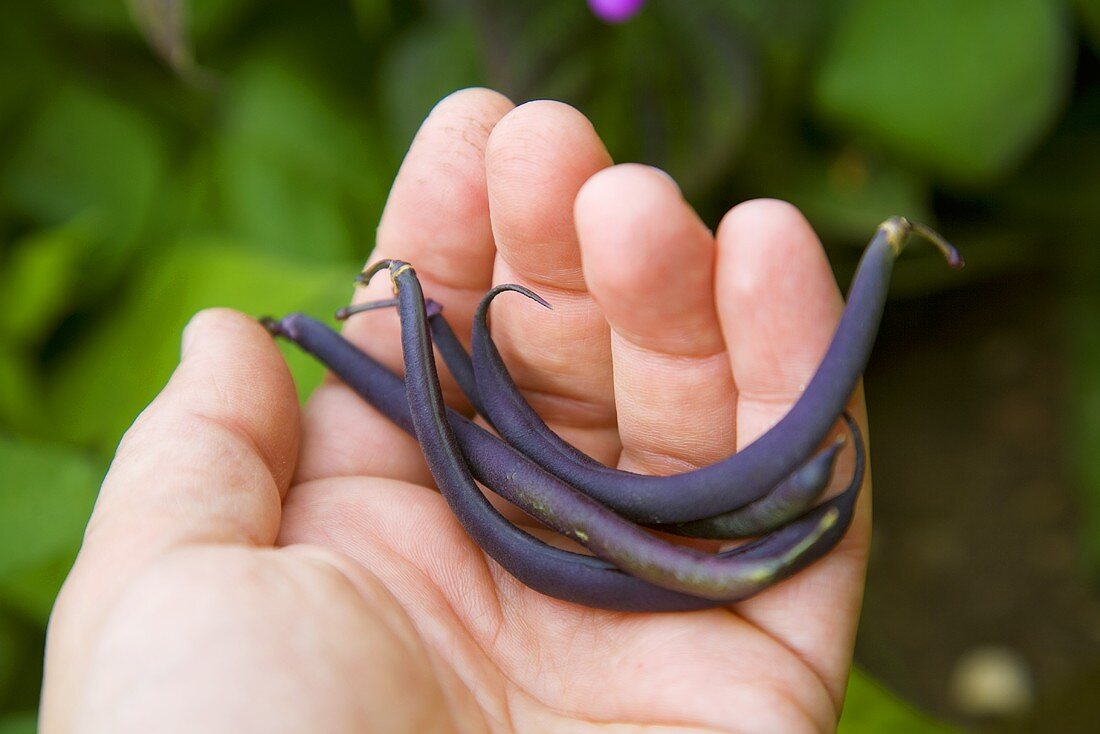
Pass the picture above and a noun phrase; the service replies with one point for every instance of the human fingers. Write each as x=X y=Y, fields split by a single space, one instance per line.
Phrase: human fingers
x=649 y=263
x=437 y=217
x=538 y=158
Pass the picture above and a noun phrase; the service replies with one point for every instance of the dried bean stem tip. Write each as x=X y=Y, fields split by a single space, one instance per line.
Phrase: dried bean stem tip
x=366 y=275
x=898 y=229
x=273 y=325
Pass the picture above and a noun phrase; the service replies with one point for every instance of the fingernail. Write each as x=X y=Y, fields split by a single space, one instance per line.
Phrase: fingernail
x=668 y=176
x=190 y=333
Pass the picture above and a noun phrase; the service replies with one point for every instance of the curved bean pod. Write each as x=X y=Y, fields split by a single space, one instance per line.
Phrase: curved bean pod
x=749 y=474
x=789 y=499
x=561 y=507
x=786 y=501
x=552 y=571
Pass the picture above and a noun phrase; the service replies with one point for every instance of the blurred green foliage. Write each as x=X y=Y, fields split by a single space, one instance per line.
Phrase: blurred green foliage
x=939 y=82
x=25 y=723
x=869 y=709
x=132 y=196
x=41 y=522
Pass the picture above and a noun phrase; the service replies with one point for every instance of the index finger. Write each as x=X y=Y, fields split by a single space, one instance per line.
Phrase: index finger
x=437 y=218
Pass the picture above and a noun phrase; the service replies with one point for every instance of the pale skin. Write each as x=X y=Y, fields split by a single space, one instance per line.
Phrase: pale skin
x=255 y=567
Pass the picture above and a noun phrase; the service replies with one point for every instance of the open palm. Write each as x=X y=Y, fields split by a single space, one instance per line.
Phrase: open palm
x=225 y=586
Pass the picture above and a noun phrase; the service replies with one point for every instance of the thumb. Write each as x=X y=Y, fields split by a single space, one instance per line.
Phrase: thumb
x=210 y=459
x=207 y=462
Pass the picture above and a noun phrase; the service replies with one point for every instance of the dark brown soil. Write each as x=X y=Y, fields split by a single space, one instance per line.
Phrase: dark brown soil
x=975 y=504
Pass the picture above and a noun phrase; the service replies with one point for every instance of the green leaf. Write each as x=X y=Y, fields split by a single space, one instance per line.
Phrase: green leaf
x=86 y=154
x=299 y=172
x=26 y=65
x=32 y=591
x=99 y=16
x=962 y=89
x=871 y=709
x=21 y=393
x=425 y=65
x=198 y=19
x=1090 y=19
x=1060 y=186
x=208 y=20
x=287 y=111
x=26 y=723
x=373 y=16
x=787 y=32
x=46 y=496
x=845 y=194
x=101 y=384
x=39 y=278
x=677 y=87
x=708 y=102
x=273 y=210
x=547 y=50
x=849 y=195
x=12 y=653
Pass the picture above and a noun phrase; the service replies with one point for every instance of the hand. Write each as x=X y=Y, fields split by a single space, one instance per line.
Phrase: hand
x=247 y=569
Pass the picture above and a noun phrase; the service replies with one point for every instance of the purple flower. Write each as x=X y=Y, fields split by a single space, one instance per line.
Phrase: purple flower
x=615 y=11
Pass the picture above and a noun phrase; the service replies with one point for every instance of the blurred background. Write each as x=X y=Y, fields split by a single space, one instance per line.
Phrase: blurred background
x=156 y=159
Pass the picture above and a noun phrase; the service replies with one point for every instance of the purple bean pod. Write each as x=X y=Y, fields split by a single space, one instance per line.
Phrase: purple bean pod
x=751 y=473
x=561 y=507
x=788 y=500
x=558 y=573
